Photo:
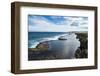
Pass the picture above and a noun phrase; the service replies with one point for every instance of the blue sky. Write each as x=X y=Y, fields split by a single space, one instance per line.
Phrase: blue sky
x=43 y=23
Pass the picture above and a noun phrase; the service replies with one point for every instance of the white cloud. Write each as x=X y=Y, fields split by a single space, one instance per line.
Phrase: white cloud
x=42 y=24
x=39 y=21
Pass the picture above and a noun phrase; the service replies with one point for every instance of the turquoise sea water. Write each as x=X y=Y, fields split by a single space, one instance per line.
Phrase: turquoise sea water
x=35 y=38
x=58 y=49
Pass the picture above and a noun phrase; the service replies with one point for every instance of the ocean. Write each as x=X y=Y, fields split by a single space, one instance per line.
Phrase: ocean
x=34 y=38
x=58 y=49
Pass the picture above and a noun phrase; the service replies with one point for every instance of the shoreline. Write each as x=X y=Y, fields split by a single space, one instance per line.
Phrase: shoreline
x=47 y=40
x=59 y=37
x=82 y=51
x=43 y=48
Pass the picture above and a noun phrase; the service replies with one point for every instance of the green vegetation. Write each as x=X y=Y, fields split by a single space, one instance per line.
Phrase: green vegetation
x=82 y=51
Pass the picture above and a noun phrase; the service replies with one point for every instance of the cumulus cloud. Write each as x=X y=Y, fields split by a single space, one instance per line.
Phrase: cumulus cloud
x=57 y=23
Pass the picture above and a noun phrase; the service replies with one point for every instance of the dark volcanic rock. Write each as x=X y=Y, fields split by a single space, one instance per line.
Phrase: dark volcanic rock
x=62 y=38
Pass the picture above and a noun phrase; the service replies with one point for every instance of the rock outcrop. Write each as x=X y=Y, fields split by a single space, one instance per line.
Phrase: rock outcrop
x=62 y=38
x=82 y=51
x=43 y=46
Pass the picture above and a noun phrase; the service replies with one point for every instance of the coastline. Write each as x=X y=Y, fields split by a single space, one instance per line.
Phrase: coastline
x=82 y=51
x=43 y=49
x=42 y=40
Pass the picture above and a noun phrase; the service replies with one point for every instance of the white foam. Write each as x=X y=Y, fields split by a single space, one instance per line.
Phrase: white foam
x=34 y=44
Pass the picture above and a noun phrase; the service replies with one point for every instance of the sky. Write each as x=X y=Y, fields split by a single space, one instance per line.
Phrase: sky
x=47 y=23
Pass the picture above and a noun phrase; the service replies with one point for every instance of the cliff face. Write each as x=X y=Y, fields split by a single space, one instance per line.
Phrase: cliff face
x=82 y=51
